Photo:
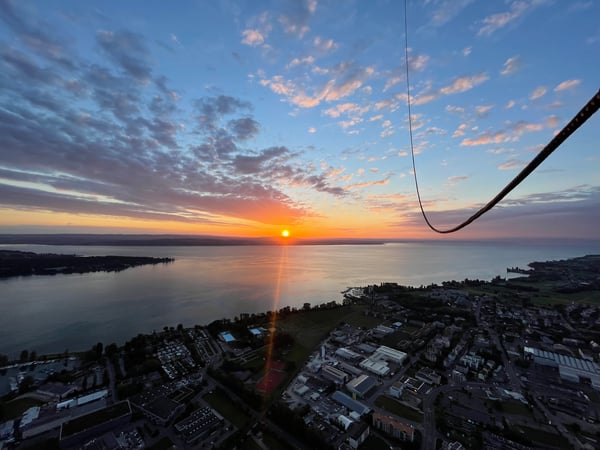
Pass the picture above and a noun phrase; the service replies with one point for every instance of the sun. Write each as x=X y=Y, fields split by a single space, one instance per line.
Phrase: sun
x=285 y=233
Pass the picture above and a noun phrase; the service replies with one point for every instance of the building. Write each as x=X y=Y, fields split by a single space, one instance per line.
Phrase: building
x=473 y=362
x=350 y=403
x=359 y=432
x=346 y=353
x=80 y=430
x=56 y=391
x=572 y=369
x=361 y=385
x=334 y=374
x=344 y=422
x=377 y=367
x=394 y=427
x=384 y=353
x=157 y=405
x=199 y=424
x=428 y=376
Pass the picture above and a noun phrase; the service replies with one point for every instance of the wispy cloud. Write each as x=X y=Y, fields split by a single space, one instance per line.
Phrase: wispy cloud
x=517 y=9
x=567 y=84
x=511 y=164
x=538 y=93
x=446 y=10
x=511 y=65
x=344 y=80
x=454 y=180
x=458 y=85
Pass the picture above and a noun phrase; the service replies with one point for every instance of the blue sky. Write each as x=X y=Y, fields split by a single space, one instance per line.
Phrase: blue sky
x=244 y=118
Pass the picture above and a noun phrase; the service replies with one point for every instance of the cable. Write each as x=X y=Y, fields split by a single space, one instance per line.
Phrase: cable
x=582 y=116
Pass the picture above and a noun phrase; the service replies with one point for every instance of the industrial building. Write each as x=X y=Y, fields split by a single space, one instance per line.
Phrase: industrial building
x=336 y=375
x=572 y=369
x=361 y=385
x=350 y=403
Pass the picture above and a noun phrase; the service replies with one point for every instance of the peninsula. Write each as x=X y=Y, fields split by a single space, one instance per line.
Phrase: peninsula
x=16 y=263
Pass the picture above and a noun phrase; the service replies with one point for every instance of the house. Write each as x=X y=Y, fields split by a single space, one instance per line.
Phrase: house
x=394 y=427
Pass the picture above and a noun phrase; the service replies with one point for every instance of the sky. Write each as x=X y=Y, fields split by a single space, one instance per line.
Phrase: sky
x=244 y=118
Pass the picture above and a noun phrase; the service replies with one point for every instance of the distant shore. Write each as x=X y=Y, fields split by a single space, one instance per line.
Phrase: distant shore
x=15 y=263
x=166 y=240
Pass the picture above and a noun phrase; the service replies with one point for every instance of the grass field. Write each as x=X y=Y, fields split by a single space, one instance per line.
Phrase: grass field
x=274 y=443
x=227 y=408
x=15 y=408
x=545 y=438
x=164 y=444
x=397 y=408
x=517 y=408
x=374 y=443
x=311 y=327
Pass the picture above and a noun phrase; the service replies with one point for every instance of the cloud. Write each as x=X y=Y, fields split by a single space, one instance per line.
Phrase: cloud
x=567 y=84
x=538 y=93
x=346 y=108
x=543 y=215
x=297 y=16
x=517 y=9
x=455 y=109
x=463 y=84
x=511 y=164
x=323 y=45
x=243 y=129
x=486 y=138
x=447 y=10
x=418 y=62
x=454 y=180
x=391 y=82
x=467 y=51
x=301 y=61
x=368 y=184
x=212 y=109
x=511 y=65
x=457 y=86
x=113 y=141
x=127 y=50
x=510 y=104
x=483 y=110
x=253 y=38
x=312 y=130
x=460 y=131
x=344 y=80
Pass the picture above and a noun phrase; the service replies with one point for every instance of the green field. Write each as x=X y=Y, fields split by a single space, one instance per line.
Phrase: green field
x=274 y=443
x=545 y=438
x=227 y=408
x=311 y=327
x=397 y=408
x=16 y=407
x=164 y=444
x=517 y=408
x=374 y=443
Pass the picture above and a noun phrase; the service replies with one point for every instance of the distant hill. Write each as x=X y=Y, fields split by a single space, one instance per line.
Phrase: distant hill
x=166 y=240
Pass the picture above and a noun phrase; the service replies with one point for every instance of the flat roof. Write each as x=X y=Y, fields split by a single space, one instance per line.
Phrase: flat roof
x=350 y=403
x=227 y=336
x=362 y=384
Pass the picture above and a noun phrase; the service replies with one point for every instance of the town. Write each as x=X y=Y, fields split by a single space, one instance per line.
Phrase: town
x=506 y=364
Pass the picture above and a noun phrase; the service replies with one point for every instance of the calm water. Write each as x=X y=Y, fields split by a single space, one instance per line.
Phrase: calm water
x=73 y=312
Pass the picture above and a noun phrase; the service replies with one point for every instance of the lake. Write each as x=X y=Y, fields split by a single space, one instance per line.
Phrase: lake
x=54 y=313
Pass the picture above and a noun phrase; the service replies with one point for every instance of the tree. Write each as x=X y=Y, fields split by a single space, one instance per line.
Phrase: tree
x=26 y=384
x=99 y=347
x=32 y=355
x=24 y=356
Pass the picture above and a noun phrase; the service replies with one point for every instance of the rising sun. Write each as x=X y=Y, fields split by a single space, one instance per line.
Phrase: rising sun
x=285 y=233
